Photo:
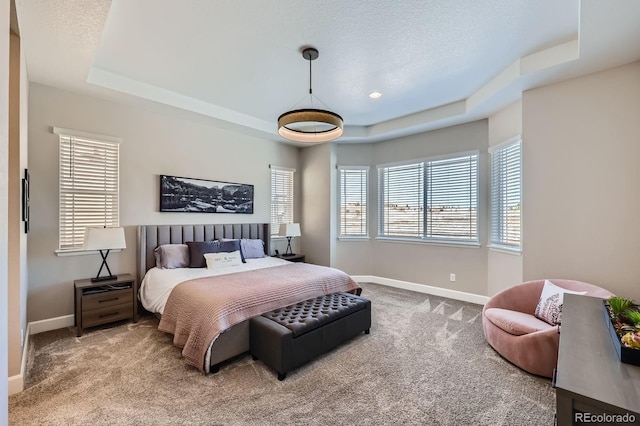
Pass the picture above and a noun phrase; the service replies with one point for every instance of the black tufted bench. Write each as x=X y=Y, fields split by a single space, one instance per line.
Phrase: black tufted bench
x=288 y=337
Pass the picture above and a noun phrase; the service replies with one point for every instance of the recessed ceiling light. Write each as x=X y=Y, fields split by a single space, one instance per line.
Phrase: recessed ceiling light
x=375 y=95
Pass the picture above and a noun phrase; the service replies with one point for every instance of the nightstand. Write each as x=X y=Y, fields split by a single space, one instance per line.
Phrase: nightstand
x=294 y=258
x=104 y=302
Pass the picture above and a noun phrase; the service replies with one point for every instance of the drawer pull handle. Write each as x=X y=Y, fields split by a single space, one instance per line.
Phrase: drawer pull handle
x=108 y=315
x=108 y=300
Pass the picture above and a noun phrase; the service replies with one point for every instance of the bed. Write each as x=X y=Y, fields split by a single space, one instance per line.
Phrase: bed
x=234 y=340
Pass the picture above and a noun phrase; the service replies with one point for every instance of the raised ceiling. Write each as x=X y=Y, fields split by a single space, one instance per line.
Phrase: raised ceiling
x=437 y=62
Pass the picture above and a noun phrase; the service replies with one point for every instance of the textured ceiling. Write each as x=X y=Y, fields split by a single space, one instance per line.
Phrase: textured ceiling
x=437 y=62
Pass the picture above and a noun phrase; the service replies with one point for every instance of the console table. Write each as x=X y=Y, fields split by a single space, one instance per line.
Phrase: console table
x=590 y=378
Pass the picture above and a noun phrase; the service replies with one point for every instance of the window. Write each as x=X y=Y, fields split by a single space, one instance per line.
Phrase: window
x=401 y=192
x=506 y=190
x=89 y=187
x=353 y=201
x=432 y=200
x=281 y=197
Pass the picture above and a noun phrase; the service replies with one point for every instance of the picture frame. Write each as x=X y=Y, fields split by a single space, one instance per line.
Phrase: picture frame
x=191 y=195
x=25 y=200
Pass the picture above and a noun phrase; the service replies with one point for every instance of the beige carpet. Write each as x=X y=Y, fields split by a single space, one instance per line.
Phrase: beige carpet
x=424 y=363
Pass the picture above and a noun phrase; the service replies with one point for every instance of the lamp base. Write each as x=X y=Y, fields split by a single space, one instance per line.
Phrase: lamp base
x=105 y=278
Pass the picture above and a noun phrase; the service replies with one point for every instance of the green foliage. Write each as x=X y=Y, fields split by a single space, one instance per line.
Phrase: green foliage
x=633 y=317
x=619 y=305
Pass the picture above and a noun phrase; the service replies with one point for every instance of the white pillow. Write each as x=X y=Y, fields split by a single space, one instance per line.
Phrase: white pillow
x=223 y=259
x=549 y=307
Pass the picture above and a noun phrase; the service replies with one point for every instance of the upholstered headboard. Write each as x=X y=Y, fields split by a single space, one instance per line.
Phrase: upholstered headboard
x=151 y=236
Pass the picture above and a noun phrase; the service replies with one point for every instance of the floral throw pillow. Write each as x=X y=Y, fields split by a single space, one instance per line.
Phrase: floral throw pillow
x=549 y=307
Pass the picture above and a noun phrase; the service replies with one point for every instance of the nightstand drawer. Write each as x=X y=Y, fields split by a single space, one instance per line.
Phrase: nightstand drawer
x=104 y=301
x=106 y=314
x=107 y=298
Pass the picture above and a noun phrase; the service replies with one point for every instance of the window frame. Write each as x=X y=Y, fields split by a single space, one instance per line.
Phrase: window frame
x=367 y=204
x=275 y=224
x=110 y=144
x=501 y=244
x=423 y=238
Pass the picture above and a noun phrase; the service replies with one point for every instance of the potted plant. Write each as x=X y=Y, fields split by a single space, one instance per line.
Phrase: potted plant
x=623 y=321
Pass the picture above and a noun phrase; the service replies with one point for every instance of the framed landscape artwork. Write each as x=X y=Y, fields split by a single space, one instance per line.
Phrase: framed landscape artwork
x=179 y=194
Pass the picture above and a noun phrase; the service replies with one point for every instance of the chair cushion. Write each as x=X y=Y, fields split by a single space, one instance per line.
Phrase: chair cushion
x=514 y=322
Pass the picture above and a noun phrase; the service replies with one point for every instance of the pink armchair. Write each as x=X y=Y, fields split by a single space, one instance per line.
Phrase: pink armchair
x=511 y=328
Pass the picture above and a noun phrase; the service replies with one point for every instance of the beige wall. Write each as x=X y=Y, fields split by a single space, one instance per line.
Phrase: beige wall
x=4 y=173
x=17 y=239
x=420 y=263
x=156 y=140
x=431 y=264
x=13 y=216
x=24 y=164
x=355 y=256
x=581 y=145
x=318 y=193
x=504 y=269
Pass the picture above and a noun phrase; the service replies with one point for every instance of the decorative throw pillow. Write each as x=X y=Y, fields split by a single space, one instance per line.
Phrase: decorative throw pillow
x=170 y=256
x=252 y=248
x=549 y=307
x=249 y=248
x=197 y=250
x=230 y=246
x=223 y=259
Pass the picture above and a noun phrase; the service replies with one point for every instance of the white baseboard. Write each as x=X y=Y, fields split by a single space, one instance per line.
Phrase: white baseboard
x=423 y=288
x=51 y=324
x=16 y=382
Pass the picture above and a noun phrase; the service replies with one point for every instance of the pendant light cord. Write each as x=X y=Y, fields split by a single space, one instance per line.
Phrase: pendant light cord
x=311 y=95
x=310 y=86
x=310 y=90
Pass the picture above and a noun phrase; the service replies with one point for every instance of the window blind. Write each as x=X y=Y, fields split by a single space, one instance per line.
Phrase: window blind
x=353 y=201
x=88 y=188
x=430 y=200
x=506 y=195
x=452 y=198
x=401 y=192
x=281 y=197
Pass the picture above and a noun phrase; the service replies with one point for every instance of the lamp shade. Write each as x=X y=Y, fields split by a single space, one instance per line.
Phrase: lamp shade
x=289 y=230
x=104 y=239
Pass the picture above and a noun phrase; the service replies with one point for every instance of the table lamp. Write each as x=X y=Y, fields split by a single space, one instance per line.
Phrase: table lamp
x=289 y=230
x=104 y=240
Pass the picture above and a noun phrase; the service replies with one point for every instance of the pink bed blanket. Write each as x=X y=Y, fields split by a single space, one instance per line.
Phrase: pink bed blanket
x=198 y=310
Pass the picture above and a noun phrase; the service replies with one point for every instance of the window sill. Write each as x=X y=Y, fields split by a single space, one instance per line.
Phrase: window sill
x=429 y=242
x=67 y=253
x=345 y=238
x=505 y=250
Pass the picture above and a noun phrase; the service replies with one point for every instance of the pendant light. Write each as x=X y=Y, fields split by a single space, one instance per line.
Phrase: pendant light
x=310 y=125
